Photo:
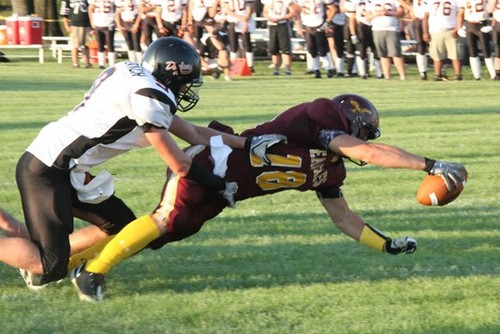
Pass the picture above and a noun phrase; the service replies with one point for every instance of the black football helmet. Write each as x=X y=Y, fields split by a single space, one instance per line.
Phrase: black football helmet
x=361 y=114
x=177 y=65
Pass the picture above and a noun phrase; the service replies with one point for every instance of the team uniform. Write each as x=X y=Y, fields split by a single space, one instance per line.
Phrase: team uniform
x=443 y=15
x=76 y=11
x=419 y=7
x=102 y=13
x=365 y=36
x=313 y=16
x=279 y=32
x=173 y=16
x=130 y=21
x=476 y=19
x=305 y=163
x=149 y=23
x=97 y=129
x=235 y=27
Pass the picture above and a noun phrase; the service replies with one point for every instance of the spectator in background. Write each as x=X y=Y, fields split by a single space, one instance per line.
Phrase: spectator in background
x=315 y=19
x=278 y=14
x=421 y=57
x=494 y=8
x=241 y=24
x=77 y=24
x=385 y=15
x=363 y=28
x=172 y=17
x=128 y=22
x=442 y=20
x=477 y=30
x=102 y=20
x=214 y=51
x=149 y=22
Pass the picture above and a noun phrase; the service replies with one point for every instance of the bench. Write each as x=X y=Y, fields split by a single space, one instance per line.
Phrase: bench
x=61 y=46
x=39 y=47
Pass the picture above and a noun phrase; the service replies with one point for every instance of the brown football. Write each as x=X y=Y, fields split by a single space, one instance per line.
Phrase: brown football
x=432 y=191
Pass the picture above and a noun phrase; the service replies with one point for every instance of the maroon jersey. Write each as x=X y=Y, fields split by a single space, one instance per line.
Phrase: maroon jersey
x=304 y=163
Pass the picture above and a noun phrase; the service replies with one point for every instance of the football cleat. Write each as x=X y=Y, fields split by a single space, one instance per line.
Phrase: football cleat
x=33 y=281
x=89 y=286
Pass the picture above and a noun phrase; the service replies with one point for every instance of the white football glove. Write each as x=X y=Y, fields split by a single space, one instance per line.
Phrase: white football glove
x=405 y=245
x=461 y=32
x=450 y=172
x=354 y=39
x=229 y=192
x=258 y=145
x=486 y=29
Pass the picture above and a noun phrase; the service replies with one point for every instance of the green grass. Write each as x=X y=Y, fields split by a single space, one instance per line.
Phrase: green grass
x=276 y=264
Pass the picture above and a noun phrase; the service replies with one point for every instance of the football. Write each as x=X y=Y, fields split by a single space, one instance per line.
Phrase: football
x=433 y=192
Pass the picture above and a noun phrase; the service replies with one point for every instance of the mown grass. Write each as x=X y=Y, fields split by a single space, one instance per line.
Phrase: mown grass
x=276 y=264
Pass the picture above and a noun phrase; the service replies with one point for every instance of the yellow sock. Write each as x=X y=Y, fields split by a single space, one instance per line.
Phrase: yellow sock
x=373 y=238
x=84 y=256
x=131 y=239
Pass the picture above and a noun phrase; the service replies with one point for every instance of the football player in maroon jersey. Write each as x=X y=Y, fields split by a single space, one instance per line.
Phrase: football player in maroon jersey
x=320 y=135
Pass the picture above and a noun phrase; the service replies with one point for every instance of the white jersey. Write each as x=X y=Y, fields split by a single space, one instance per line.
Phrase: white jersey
x=442 y=15
x=104 y=12
x=419 y=7
x=313 y=13
x=475 y=10
x=238 y=7
x=386 y=23
x=199 y=9
x=129 y=9
x=360 y=12
x=496 y=12
x=276 y=9
x=108 y=121
x=172 y=10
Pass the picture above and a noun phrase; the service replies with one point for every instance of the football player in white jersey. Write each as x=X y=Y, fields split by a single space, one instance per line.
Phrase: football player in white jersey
x=384 y=15
x=128 y=22
x=102 y=20
x=316 y=17
x=129 y=106
x=172 y=17
x=442 y=20
x=494 y=8
x=241 y=24
x=478 y=31
x=421 y=57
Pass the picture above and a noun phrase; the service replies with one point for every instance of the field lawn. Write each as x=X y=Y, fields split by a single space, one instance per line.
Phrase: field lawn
x=276 y=264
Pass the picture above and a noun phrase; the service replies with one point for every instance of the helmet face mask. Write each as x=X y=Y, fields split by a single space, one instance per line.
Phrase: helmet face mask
x=177 y=65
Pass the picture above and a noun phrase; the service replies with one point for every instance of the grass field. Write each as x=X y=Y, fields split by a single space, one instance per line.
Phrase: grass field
x=276 y=264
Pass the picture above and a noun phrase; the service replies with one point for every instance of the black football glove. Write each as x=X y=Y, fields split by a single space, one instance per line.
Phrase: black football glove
x=229 y=192
x=258 y=145
x=450 y=172
x=405 y=245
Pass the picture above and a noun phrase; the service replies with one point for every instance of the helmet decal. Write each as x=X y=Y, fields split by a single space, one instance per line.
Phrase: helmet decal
x=185 y=68
x=356 y=108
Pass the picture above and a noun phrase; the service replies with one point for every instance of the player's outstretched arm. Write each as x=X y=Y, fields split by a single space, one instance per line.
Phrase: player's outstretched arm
x=352 y=225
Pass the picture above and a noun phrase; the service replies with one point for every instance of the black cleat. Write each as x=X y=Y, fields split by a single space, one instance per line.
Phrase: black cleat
x=90 y=286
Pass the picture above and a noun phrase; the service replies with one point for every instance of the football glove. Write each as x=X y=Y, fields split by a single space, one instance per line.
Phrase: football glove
x=461 y=32
x=354 y=39
x=405 y=245
x=229 y=192
x=258 y=145
x=486 y=29
x=450 y=172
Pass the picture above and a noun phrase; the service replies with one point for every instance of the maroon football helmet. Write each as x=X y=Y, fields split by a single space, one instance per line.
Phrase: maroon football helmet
x=361 y=114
